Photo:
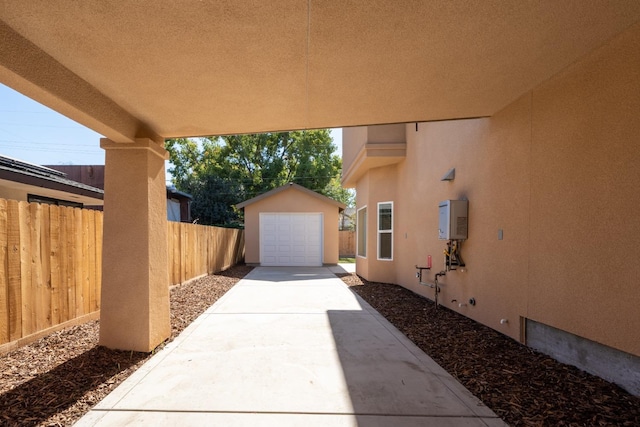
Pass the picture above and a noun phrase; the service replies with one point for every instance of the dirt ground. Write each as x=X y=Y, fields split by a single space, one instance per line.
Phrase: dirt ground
x=522 y=386
x=56 y=380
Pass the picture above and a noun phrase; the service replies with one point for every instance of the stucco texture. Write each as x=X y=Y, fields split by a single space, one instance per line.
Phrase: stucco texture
x=289 y=64
x=557 y=171
x=291 y=199
x=135 y=279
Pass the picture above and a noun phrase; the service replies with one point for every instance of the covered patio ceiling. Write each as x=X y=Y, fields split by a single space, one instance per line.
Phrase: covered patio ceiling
x=158 y=69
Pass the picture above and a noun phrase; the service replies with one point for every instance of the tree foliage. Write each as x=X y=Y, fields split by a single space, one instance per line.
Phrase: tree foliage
x=222 y=171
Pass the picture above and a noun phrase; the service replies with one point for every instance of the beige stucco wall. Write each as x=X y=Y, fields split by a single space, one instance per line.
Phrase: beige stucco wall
x=386 y=134
x=135 y=311
x=291 y=200
x=357 y=137
x=382 y=181
x=362 y=200
x=7 y=192
x=558 y=171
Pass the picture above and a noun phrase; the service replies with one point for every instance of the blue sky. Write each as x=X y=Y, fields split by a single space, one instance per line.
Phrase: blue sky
x=34 y=133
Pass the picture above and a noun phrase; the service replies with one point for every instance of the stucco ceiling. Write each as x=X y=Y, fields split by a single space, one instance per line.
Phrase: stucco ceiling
x=166 y=68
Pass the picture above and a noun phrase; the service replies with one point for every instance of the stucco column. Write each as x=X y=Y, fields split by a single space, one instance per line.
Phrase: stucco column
x=134 y=312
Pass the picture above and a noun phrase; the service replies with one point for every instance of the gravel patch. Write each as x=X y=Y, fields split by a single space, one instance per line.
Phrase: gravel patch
x=57 y=379
x=522 y=386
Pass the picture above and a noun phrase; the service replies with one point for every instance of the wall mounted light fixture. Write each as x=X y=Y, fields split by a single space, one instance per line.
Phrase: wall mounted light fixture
x=450 y=175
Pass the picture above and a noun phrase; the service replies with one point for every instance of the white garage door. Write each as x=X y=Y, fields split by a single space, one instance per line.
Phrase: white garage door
x=291 y=239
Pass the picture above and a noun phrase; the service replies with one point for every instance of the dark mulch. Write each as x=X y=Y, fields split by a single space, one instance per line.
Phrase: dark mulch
x=522 y=386
x=57 y=379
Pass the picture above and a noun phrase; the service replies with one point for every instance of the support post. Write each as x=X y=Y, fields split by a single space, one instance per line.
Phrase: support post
x=134 y=312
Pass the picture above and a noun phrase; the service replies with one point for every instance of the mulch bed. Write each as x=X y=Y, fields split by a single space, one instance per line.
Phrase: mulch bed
x=57 y=379
x=522 y=386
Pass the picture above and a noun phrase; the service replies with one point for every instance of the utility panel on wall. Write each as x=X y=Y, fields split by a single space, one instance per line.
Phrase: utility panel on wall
x=453 y=220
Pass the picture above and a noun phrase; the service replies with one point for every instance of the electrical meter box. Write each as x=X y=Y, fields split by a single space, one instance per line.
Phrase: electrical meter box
x=453 y=221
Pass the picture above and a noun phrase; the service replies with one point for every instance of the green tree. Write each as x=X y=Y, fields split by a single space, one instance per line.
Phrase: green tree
x=346 y=196
x=223 y=171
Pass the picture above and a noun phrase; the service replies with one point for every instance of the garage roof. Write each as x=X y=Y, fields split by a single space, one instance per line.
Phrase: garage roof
x=291 y=185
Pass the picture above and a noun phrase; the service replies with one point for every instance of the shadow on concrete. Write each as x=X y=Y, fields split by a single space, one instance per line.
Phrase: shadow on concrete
x=342 y=270
x=391 y=383
x=290 y=274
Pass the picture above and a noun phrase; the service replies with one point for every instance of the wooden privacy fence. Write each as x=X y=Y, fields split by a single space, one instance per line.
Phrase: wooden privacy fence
x=51 y=265
x=347 y=248
x=197 y=250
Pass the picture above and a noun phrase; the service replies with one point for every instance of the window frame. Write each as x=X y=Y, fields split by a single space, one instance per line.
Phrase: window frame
x=362 y=228
x=379 y=232
x=44 y=200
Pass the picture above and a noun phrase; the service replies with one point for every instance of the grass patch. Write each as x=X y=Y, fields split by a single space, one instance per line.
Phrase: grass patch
x=347 y=260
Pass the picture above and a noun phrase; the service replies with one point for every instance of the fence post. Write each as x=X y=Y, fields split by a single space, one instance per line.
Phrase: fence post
x=4 y=285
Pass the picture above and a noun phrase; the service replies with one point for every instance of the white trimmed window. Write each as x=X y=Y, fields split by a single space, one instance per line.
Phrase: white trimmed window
x=361 y=226
x=385 y=230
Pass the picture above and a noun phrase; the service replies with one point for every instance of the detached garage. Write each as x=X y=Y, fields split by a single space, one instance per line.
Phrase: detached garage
x=291 y=226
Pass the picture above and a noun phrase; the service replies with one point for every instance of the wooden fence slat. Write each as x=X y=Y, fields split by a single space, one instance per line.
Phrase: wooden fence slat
x=184 y=244
x=194 y=250
x=175 y=233
x=84 y=261
x=202 y=251
x=45 y=270
x=78 y=262
x=218 y=255
x=89 y=258
x=98 y=284
x=54 y=262
x=240 y=257
x=4 y=285
x=37 y=283
x=28 y=298
x=210 y=250
x=190 y=252
x=226 y=241
x=14 y=270
x=224 y=246
x=199 y=249
x=64 y=264
x=213 y=250
x=71 y=267
x=170 y=250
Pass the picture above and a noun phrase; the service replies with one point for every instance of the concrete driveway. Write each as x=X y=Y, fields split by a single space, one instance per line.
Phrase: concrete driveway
x=291 y=347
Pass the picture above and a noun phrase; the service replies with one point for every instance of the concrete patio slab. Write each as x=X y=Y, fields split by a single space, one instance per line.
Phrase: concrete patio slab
x=128 y=418
x=291 y=346
x=304 y=297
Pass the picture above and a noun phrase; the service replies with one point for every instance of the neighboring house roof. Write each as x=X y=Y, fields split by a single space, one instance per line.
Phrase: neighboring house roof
x=40 y=176
x=294 y=186
x=174 y=193
x=94 y=175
